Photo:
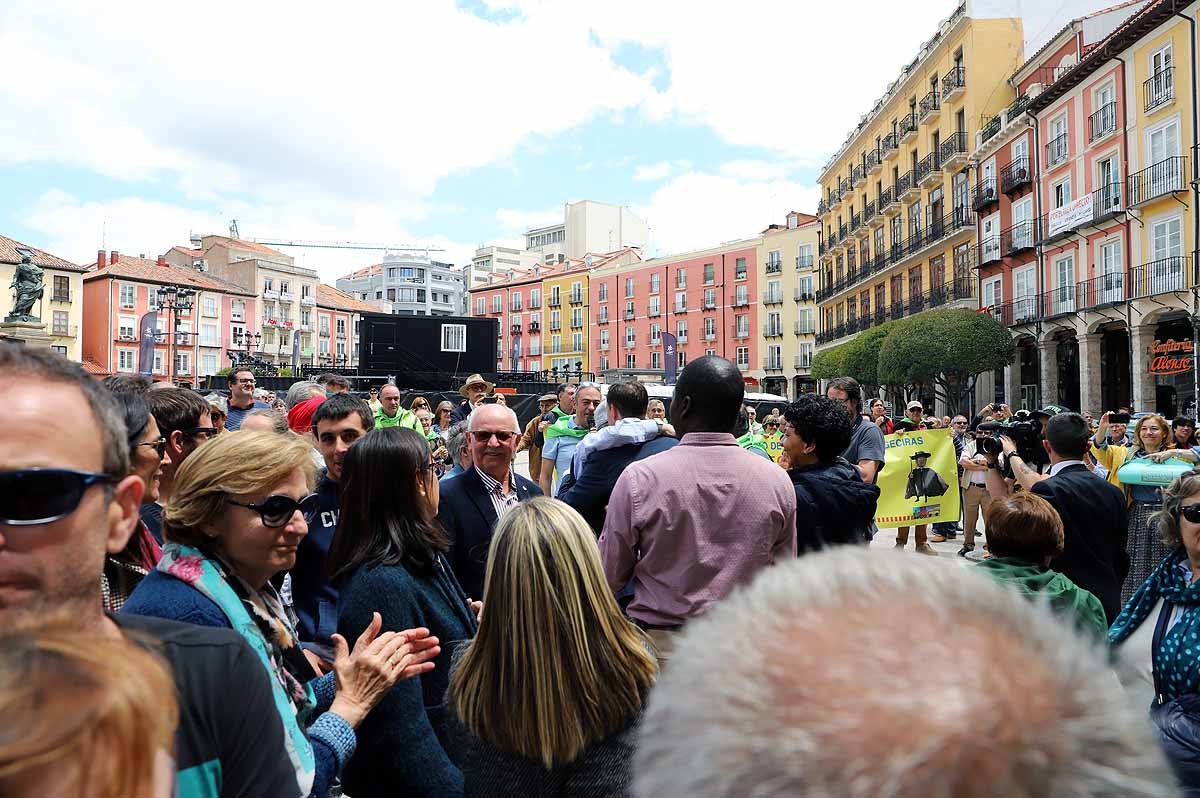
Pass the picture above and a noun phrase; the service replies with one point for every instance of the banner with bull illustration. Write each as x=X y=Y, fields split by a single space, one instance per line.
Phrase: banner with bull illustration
x=919 y=481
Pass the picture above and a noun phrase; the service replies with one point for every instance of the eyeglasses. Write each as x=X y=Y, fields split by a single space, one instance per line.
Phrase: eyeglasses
x=44 y=495
x=483 y=436
x=960 y=423
x=159 y=446
x=1191 y=512
x=245 y=382
x=194 y=431
x=276 y=511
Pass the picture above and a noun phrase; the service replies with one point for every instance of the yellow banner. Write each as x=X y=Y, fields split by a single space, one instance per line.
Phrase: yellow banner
x=919 y=481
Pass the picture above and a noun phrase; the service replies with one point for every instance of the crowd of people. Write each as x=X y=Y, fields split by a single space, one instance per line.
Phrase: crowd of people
x=333 y=594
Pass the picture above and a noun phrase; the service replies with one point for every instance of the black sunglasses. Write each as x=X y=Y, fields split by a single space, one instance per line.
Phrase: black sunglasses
x=159 y=446
x=194 y=431
x=276 y=511
x=44 y=495
x=1191 y=512
x=483 y=436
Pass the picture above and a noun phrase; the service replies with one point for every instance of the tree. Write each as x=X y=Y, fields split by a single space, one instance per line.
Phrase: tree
x=830 y=363
x=862 y=357
x=945 y=350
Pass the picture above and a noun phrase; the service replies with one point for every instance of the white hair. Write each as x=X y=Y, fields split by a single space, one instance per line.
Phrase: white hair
x=508 y=411
x=814 y=681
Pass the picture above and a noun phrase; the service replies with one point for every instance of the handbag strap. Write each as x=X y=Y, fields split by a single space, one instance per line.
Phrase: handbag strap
x=1160 y=631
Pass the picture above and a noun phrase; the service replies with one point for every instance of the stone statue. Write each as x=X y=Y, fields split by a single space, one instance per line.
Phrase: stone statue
x=30 y=287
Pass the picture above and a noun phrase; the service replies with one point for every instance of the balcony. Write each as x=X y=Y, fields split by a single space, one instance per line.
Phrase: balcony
x=1107 y=289
x=711 y=304
x=988 y=250
x=772 y=331
x=1164 y=276
x=802 y=362
x=1049 y=74
x=821 y=207
x=868 y=212
x=908 y=128
x=270 y=293
x=61 y=296
x=953 y=151
x=630 y=315
x=954 y=83
x=1103 y=122
x=1159 y=89
x=1168 y=176
x=1017 y=108
x=535 y=349
x=681 y=307
x=774 y=266
x=737 y=332
x=769 y=364
x=602 y=320
x=1023 y=310
x=804 y=262
x=65 y=330
x=873 y=162
x=324 y=333
x=1019 y=238
x=802 y=296
x=906 y=188
x=991 y=128
x=681 y=337
x=536 y=327
x=287 y=296
x=888 y=206
x=554 y=302
x=1015 y=175
x=844 y=187
x=516 y=329
x=651 y=313
x=576 y=299
x=535 y=304
x=855 y=221
x=887 y=146
x=304 y=327
x=739 y=301
x=858 y=173
x=1106 y=202
x=772 y=298
x=308 y=299
x=929 y=170
x=930 y=106
x=802 y=328
x=843 y=231
x=603 y=346
x=1056 y=150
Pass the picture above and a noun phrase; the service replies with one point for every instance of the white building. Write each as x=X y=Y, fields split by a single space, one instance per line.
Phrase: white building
x=504 y=262
x=587 y=226
x=411 y=284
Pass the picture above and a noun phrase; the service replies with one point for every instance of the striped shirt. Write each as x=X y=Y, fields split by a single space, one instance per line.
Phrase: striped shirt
x=503 y=502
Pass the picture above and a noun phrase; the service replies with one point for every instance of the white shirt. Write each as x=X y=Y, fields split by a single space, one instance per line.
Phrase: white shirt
x=1054 y=469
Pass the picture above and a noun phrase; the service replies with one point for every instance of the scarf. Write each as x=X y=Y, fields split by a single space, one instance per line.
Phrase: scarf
x=1175 y=659
x=563 y=429
x=258 y=616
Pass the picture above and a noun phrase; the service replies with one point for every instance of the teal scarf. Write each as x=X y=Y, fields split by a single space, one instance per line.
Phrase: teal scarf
x=263 y=624
x=1176 y=660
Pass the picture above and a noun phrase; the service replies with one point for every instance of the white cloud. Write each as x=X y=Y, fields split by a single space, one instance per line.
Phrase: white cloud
x=699 y=209
x=652 y=172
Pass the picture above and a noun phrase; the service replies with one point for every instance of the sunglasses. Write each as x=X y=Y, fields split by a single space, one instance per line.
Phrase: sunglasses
x=483 y=436
x=44 y=495
x=194 y=431
x=276 y=511
x=159 y=446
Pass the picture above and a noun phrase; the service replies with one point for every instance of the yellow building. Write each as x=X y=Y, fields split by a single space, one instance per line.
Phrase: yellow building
x=565 y=318
x=787 y=270
x=61 y=305
x=898 y=231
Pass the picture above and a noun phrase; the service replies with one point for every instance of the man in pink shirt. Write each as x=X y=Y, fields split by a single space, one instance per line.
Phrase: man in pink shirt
x=692 y=523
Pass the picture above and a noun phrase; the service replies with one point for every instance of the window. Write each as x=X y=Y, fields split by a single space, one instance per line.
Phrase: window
x=208 y=306
x=62 y=289
x=743 y=357
x=604 y=339
x=341 y=328
x=739 y=269
x=741 y=295
x=710 y=298
x=1056 y=149
x=804 y=259
x=576 y=342
x=128 y=296
x=681 y=301
x=208 y=335
x=630 y=336
x=680 y=358
x=126 y=328
x=183 y=363
x=577 y=317
x=1061 y=193
x=774 y=356
x=284 y=287
x=576 y=292
x=555 y=344
x=158 y=362
x=454 y=337
x=655 y=282
x=681 y=330
x=806 y=287
x=341 y=348
x=655 y=333
x=709 y=274
x=774 y=259
x=710 y=351
x=603 y=297
x=480 y=306
x=515 y=319
x=656 y=360
x=1112 y=270
x=774 y=293
x=125 y=359
x=655 y=306
x=515 y=303
x=60 y=326
x=992 y=292
x=741 y=325
x=631 y=361
x=710 y=329
x=208 y=364
x=406 y=294
x=268 y=284
x=681 y=278
x=603 y=363
x=497 y=303
x=604 y=314
x=629 y=286
x=535 y=298
x=805 y=318
x=1063 y=296
x=555 y=320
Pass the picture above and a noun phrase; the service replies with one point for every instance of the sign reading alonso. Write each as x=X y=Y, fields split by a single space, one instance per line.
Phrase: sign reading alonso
x=1171 y=357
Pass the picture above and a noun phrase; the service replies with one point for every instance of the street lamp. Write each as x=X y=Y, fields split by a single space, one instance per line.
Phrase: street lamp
x=174 y=299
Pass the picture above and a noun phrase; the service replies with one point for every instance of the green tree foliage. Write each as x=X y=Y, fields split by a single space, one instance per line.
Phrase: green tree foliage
x=945 y=350
x=861 y=360
x=830 y=363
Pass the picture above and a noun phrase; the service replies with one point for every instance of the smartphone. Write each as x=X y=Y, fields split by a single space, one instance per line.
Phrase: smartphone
x=1118 y=418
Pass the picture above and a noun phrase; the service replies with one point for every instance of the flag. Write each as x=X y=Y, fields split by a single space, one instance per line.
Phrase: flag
x=148 y=337
x=908 y=493
x=295 y=353
x=670 y=360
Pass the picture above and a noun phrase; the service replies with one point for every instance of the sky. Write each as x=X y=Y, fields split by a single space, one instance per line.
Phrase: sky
x=432 y=122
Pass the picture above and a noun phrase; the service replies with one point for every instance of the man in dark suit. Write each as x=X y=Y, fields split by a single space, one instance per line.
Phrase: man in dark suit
x=589 y=493
x=1093 y=510
x=471 y=503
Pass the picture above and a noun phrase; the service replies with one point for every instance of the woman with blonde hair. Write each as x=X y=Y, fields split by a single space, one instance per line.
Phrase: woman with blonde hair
x=547 y=698
x=240 y=507
x=1151 y=437
x=84 y=714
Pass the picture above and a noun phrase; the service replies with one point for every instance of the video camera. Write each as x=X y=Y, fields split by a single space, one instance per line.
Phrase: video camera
x=1024 y=430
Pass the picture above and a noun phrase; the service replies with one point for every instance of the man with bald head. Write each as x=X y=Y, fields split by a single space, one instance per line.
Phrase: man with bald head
x=691 y=524
x=472 y=502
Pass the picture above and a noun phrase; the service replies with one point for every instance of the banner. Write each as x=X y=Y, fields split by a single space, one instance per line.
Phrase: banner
x=919 y=481
x=1069 y=216
x=670 y=358
x=295 y=352
x=148 y=337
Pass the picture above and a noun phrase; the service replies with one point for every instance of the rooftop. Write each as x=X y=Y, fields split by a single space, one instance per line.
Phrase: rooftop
x=330 y=297
x=9 y=254
x=146 y=270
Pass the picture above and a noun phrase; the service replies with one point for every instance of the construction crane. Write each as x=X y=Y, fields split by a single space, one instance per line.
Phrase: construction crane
x=233 y=233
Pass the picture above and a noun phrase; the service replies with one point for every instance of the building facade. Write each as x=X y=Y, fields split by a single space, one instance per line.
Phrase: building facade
x=565 y=317
x=61 y=305
x=517 y=304
x=338 y=317
x=787 y=286
x=189 y=342
x=1101 y=304
x=409 y=284
x=898 y=227
x=504 y=262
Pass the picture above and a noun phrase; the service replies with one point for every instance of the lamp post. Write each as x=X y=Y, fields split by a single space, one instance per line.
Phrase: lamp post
x=174 y=299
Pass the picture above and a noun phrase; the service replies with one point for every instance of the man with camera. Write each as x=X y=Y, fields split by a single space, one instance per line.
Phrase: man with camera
x=1092 y=510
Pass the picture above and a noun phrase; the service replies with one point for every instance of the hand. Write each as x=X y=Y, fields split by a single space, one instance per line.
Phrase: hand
x=669 y=431
x=542 y=425
x=1172 y=454
x=439 y=453
x=1008 y=445
x=365 y=675
x=320 y=666
x=477 y=608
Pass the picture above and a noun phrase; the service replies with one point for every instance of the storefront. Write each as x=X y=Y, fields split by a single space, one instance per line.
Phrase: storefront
x=1173 y=367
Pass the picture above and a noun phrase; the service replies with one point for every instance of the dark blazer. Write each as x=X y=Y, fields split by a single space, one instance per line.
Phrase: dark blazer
x=1094 y=515
x=461 y=413
x=590 y=495
x=466 y=512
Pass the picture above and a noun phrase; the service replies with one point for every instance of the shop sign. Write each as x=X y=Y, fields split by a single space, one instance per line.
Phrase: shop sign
x=1171 y=357
x=1069 y=216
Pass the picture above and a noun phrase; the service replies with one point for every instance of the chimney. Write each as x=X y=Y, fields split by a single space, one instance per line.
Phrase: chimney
x=101 y=258
x=114 y=256
x=162 y=261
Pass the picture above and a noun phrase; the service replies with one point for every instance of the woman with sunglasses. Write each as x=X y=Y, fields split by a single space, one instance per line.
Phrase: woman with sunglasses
x=389 y=555
x=441 y=418
x=418 y=403
x=239 y=511
x=124 y=571
x=1156 y=631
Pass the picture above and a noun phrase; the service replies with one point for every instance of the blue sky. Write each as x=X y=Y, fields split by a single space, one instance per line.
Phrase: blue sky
x=432 y=123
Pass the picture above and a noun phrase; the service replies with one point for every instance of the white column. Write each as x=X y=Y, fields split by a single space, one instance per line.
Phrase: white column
x=1141 y=339
x=1048 y=370
x=1012 y=382
x=1091 y=396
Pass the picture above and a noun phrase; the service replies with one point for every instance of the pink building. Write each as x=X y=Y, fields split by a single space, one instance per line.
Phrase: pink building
x=191 y=343
x=517 y=304
x=708 y=299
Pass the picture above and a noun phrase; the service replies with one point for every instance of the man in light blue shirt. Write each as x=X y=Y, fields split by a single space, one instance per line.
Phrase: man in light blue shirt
x=563 y=436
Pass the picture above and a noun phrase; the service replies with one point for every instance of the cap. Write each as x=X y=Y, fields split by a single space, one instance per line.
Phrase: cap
x=547 y=397
x=300 y=417
x=915 y=405
x=1049 y=411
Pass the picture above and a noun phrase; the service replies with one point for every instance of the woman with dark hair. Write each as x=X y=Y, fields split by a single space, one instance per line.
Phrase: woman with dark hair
x=124 y=570
x=388 y=556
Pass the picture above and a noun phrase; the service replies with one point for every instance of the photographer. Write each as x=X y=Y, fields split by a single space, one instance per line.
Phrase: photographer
x=1093 y=511
x=976 y=498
